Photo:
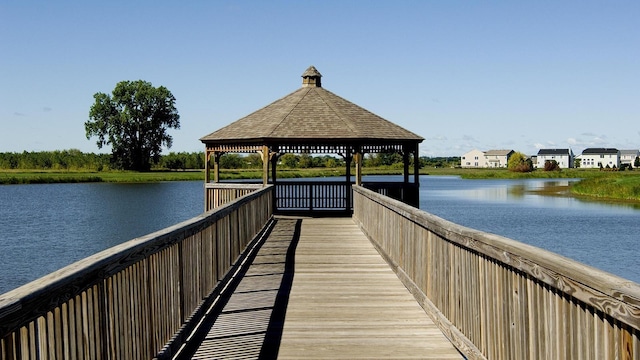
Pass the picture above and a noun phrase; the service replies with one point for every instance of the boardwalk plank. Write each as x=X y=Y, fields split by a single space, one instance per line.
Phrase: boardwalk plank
x=344 y=302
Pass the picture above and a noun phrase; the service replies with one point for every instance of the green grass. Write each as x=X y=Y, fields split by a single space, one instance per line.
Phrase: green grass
x=609 y=188
x=594 y=184
x=52 y=177
x=605 y=185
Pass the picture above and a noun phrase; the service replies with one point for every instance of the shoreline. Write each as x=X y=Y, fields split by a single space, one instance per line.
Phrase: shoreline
x=621 y=186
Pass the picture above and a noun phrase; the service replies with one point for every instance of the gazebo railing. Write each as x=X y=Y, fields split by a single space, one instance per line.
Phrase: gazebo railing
x=305 y=196
x=408 y=193
x=313 y=196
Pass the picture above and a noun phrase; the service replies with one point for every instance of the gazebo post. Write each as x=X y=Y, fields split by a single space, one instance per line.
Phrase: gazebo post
x=347 y=159
x=216 y=166
x=207 y=155
x=265 y=165
x=416 y=165
x=274 y=162
x=405 y=162
x=358 y=159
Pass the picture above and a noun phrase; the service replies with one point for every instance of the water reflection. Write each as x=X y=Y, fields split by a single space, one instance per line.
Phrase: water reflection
x=541 y=213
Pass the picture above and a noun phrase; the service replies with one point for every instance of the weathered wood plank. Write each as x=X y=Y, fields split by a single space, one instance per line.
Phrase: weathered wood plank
x=345 y=302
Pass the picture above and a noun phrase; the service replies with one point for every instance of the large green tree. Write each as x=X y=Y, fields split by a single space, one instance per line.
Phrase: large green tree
x=134 y=121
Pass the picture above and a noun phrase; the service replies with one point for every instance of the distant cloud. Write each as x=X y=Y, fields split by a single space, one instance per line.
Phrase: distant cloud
x=19 y=114
x=435 y=100
x=538 y=146
x=46 y=109
x=468 y=138
x=594 y=141
x=438 y=138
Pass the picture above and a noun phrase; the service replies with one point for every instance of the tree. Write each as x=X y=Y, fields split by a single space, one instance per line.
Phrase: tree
x=518 y=162
x=134 y=121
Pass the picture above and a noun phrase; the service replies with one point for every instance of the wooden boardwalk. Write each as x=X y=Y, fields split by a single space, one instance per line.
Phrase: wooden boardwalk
x=317 y=289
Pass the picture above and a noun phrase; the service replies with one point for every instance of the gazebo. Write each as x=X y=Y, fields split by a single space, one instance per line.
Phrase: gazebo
x=313 y=120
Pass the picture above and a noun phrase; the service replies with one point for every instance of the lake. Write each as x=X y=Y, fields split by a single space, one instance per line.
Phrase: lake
x=46 y=227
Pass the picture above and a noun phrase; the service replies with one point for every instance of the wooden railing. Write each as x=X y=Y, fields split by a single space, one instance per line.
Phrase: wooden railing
x=313 y=196
x=218 y=194
x=309 y=196
x=131 y=301
x=408 y=193
x=497 y=298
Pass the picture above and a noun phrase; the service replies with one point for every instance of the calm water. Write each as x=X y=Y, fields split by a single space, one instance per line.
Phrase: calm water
x=46 y=227
x=601 y=235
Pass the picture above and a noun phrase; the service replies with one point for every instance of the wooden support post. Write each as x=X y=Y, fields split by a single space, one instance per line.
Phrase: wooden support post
x=216 y=166
x=405 y=161
x=274 y=163
x=347 y=159
x=416 y=165
x=207 y=176
x=265 y=165
x=358 y=159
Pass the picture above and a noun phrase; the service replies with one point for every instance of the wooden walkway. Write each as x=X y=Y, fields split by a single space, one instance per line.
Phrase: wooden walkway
x=317 y=289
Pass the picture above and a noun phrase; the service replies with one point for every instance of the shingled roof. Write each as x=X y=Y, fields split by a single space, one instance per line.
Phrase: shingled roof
x=311 y=114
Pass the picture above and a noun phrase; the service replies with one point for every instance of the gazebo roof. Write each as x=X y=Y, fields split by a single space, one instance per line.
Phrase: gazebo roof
x=311 y=115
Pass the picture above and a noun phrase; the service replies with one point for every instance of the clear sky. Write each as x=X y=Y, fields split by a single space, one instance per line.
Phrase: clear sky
x=518 y=75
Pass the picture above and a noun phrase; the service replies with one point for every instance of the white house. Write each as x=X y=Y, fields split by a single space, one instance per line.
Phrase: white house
x=564 y=157
x=600 y=157
x=473 y=159
x=498 y=158
x=628 y=156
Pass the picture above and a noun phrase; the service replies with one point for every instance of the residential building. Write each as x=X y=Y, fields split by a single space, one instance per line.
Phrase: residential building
x=473 y=159
x=629 y=156
x=600 y=158
x=498 y=158
x=564 y=157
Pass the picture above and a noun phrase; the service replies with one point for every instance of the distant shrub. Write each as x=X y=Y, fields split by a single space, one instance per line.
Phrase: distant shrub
x=518 y=162
x=551 y=165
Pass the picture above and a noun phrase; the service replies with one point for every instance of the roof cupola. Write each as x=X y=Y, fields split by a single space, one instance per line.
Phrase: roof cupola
x=311 y=77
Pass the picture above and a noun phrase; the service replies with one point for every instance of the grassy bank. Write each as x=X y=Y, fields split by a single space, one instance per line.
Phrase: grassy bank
x=595 y=184
x=621 y=185
x=52 y=177
x=625 y=188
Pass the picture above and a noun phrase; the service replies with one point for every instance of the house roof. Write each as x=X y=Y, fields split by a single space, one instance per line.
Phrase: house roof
x=599 y=151
x=311 y=114
x=553 y=152
x=497 y=152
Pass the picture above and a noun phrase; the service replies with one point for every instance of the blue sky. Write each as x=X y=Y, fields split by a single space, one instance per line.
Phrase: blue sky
x=462 y=74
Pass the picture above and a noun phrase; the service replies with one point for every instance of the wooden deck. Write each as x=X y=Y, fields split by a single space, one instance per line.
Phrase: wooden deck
x=317 y=289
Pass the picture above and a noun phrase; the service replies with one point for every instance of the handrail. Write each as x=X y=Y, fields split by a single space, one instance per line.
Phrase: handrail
x=498 y=298
x=128 y=301
x=313 y=195
x=218 y=194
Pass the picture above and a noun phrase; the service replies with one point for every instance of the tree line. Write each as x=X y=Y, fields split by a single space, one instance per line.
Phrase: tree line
x=75 y=160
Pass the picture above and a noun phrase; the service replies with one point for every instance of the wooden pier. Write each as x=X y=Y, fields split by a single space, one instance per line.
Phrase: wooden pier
x=390 y=281
x=318 y=289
